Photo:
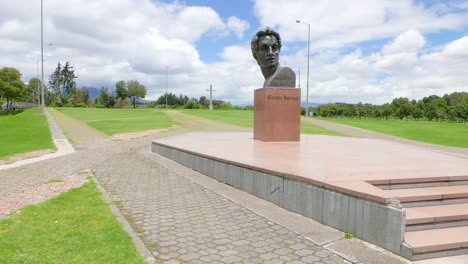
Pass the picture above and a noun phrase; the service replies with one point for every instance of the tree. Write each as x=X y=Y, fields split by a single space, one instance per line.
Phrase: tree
x=34 y=89
x=11 y=86
x=172 y=100
x=192 y=104
x=77 y=98
x=403 y=107
x=121 y=90
x=62 y=82
x=226 y=106
x=85 y=95
x=105 y=98
x=418 y=112
x=136 y=91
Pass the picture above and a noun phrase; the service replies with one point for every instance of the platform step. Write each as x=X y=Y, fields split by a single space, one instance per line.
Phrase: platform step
x=437 y=240
x=435 y=214
x=430 y=193
x=434 y=202
x=397 y=186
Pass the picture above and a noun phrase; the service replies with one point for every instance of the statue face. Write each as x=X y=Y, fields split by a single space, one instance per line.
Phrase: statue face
x=268 y=51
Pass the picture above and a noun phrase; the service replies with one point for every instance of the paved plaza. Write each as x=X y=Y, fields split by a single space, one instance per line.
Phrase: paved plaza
x=185 y=220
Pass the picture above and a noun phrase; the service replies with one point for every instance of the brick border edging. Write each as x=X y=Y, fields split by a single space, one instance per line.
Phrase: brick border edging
x=144 y=251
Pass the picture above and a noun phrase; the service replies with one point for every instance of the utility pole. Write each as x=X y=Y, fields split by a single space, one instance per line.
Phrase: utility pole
x=299 y=81
x=308 y=61
x=38 y=90
x=42 y=58
x=166 y=85
x=211 y=96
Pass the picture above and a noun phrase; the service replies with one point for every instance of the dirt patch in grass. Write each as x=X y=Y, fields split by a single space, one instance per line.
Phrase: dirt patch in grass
x=36 y=194
x=133 y=135
x=28 y=155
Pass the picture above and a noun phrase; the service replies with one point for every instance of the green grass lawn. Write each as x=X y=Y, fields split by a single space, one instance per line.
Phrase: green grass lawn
x=75 y=227
x=440 y=133
x=24 y=131
x=116 y=121
x=244 y=118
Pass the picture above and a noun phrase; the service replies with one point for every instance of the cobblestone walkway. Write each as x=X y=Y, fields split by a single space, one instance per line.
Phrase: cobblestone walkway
x=178 y=220
x=181 y=221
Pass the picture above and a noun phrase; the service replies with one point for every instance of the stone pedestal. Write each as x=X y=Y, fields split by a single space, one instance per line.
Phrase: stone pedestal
x=277 y=114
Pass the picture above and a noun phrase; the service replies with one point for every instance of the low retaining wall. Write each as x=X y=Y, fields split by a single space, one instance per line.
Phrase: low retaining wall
x=376 y=223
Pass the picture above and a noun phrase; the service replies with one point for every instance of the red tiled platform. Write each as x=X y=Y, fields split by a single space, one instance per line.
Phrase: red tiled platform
x=342 y=164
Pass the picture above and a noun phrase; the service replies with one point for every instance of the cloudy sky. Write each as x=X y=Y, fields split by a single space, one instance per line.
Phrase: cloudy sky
x=364 y=50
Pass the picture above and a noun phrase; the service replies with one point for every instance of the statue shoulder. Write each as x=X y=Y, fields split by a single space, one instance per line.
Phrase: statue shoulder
x=286 y=70
x=283 y=77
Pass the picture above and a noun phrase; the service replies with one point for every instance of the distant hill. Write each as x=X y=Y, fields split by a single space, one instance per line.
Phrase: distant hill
x=311 y=104
x=93 y=92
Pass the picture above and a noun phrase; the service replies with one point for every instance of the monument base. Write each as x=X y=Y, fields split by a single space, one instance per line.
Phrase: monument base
x=382 y=192
x=277 y=114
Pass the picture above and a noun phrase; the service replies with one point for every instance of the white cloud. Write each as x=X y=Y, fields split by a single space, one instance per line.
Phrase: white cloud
x=340 y=22
x=110 y=40
x=398 y=69
x=237 y=26
x=410 y=41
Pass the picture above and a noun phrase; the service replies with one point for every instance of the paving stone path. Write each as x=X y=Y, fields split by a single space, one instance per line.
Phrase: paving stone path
x=178 y=220
x=183 y=222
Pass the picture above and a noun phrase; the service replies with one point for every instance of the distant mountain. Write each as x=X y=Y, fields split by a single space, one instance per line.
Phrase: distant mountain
x=93 y=92
x=311 y=104
x=143 y=101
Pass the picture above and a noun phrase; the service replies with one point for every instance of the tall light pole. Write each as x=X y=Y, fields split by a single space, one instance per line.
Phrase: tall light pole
x=38 y=89
x=299 y=79
x=42 y=59
x=308 y=58
x=166 y=85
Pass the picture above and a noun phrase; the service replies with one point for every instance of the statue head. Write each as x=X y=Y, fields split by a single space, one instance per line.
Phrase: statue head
x=266 y=46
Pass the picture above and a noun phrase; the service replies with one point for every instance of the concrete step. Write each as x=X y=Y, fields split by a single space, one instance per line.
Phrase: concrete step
x=443 y=242
x=436 y=214
x=436 y=217
x=396 y=186
x=430 y=193
x=439 y=225
x=433 y=202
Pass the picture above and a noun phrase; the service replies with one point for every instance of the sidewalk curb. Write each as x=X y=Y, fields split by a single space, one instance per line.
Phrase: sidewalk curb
x=126 y=225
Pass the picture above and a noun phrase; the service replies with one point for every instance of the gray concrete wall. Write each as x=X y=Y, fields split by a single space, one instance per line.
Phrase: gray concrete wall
x=376 y=223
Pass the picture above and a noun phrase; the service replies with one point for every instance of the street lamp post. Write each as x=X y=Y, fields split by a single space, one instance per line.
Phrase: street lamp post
x=308 y=58
x=166 y=85
x=42 y=59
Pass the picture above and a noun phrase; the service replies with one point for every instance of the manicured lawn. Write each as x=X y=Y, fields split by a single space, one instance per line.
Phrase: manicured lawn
x=75 y=227
x=24 y=132
x=440 y=133
x=244 y=118
x=116 y=121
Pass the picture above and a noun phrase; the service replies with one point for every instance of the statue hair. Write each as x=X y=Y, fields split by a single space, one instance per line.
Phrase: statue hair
x=264 y=32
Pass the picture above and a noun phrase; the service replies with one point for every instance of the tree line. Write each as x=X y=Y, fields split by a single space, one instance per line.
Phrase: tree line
x=183 y=101
x=62 y=90
x=452 y=107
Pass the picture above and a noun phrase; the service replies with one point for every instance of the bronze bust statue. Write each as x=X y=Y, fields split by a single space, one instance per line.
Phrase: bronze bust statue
x=266 y=46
